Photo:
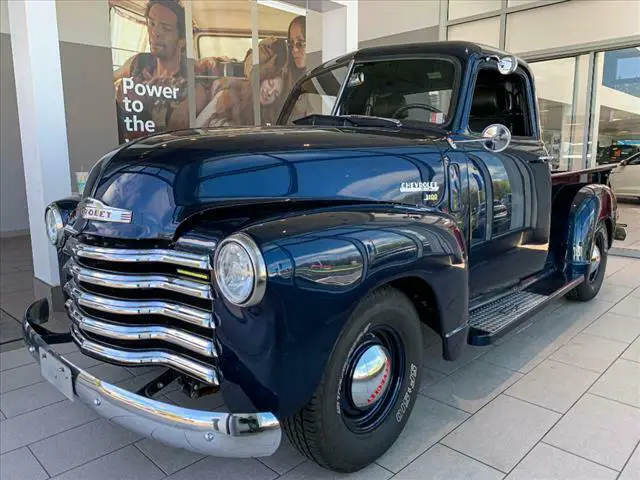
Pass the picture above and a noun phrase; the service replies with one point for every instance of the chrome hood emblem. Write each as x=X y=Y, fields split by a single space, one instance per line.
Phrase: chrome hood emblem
x=92 y=209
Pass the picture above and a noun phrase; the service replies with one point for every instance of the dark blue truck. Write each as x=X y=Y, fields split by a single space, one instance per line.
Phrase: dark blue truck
x=290 y=267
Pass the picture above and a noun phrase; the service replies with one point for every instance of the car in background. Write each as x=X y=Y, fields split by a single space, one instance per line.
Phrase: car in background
x=625 y=178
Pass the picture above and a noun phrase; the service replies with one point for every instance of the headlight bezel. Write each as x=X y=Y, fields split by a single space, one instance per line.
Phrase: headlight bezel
x=256 y=259
x=59 y=225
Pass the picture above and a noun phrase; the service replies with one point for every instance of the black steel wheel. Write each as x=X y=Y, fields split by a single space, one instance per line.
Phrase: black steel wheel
x=368 y=389
x=594 y=276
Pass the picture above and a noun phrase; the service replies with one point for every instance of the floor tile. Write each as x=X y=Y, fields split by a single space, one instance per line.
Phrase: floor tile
x=442 y=463
x=622 y=328
x=16 y=282
x=110 y=373
x=553 y=385
x=80 y=445
x=169 y=459
x=598 y=429
x=432 y=358
x=215 y=468
x=16 y=303
x=15 y=358
x=633 y=351
x=128 y=463
x=502 y=433
x=620 y=382
x=429 y=422
x=587 y=351
x=636 y=292
x=29 y=398
x=613 y=293
x=10 y=329
x=625 y=277
x=31 y=427
x=545 y=462
x=20 y=377
x=285 y=459
x=2 y=416
x=429 y=377
x=473 y=386
x=521 y=353
x=21 y=465
x=615 y=264
x=631 y=470
x=629 y=306
x=311 y=471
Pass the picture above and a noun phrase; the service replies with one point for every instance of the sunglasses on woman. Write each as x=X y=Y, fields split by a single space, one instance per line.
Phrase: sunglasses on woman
x=300 y=45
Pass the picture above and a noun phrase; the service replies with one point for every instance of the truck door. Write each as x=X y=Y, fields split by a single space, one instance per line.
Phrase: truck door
x=510 y=230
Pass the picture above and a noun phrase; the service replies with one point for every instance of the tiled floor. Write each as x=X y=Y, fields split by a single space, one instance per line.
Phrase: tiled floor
x=629 y=211
x=558 y=399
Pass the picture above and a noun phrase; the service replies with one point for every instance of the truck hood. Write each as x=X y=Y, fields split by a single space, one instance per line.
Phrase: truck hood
x=164 y=179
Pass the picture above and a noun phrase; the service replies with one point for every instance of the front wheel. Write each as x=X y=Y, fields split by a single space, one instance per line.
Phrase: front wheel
x=368 y=388
x=594 y=275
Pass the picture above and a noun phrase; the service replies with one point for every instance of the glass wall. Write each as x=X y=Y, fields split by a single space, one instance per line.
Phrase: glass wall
x=559 y=86
x=615 y=127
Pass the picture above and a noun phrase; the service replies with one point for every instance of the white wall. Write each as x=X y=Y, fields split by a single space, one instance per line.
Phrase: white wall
x=467 y=8
x=572 y=23
x=380 y=18
x=84 y=21
x=485 y=31
x=4 y=17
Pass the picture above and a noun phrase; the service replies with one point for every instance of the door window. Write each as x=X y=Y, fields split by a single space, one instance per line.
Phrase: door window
x=477 y=205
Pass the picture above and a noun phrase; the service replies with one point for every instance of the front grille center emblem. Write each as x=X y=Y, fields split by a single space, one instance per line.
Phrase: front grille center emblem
x=92 y=209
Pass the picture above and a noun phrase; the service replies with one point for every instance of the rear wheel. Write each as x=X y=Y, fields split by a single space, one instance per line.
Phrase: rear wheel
x=596 y=271
x=368 y=388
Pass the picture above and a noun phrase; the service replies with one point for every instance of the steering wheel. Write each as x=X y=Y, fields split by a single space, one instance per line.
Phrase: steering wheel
x=421 y=106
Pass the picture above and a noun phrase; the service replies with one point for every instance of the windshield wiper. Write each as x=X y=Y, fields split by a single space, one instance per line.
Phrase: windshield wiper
x=348 y=121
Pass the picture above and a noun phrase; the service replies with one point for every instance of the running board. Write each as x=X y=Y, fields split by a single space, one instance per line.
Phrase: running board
x=494 y=318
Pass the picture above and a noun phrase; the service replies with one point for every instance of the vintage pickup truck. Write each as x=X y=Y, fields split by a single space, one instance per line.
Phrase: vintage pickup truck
x=290 y=267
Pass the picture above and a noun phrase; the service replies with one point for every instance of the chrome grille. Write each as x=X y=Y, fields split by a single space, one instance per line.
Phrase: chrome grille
x=159 y=314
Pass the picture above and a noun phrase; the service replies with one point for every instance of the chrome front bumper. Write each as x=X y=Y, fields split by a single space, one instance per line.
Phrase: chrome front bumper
x=210 y=433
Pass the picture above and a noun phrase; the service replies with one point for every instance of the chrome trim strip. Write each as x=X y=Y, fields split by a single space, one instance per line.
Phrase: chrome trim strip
x=125 y=281
x=194 y=343
x=146 y=357
x=210 y=433
x=174 y=257
x=139 y=307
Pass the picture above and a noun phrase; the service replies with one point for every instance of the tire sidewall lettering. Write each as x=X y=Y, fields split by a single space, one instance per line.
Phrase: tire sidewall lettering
x=406 y=399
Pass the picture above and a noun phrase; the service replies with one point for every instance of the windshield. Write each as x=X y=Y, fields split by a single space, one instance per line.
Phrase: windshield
x=414 y=91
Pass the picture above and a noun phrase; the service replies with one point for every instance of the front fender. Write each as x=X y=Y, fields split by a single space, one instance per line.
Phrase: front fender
x=320 y=264
x=593 y=204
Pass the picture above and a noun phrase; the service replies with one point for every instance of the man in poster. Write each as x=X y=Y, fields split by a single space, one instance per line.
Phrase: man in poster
x=151 y=87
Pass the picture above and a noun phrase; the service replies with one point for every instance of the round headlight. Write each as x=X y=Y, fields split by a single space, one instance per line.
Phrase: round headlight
x=240 y=271
x=54 y=225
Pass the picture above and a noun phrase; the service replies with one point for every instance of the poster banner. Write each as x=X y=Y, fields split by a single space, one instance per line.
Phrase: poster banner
x=228 y=80
x=150 y=65
x=148 y=40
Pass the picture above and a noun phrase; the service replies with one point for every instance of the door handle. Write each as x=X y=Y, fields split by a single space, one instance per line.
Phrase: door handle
x=541 y=159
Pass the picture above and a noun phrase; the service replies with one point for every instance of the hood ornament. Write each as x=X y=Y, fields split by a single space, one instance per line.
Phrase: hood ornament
x=92 y=209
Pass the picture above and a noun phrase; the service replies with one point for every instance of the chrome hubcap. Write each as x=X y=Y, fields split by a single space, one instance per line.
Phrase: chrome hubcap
x=371 y=377
x=595 y=261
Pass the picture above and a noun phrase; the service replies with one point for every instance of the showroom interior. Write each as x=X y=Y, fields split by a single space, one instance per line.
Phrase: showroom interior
x=61 y=111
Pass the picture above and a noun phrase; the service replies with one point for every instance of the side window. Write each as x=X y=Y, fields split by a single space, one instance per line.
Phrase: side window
x=477 y=205
x=501 y=99
x=507 y=187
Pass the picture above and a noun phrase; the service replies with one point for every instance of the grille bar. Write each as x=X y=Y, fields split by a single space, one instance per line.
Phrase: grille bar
x=189 y=341
x=174 y=257
x=125 y=281
x=123 y=307
x=146 y=357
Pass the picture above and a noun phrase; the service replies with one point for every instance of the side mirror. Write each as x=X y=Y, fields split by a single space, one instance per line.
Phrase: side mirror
x=495 y=138
x=498 y=137
x=506 y=65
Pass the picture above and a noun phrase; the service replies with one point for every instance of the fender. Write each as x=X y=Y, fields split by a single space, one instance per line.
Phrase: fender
x=320 y=264
x=591 y=205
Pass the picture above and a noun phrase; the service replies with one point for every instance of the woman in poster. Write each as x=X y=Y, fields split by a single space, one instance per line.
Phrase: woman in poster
x=231 y=97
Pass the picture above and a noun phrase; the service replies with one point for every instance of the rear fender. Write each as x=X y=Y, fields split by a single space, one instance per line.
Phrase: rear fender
x=320 y=264
x=593 y=204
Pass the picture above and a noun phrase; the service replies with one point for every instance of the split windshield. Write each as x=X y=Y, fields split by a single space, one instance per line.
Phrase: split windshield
x=413 y=91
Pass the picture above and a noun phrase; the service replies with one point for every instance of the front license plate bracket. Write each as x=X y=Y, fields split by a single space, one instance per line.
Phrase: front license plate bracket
x=56 y=373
